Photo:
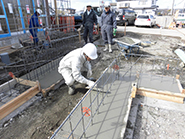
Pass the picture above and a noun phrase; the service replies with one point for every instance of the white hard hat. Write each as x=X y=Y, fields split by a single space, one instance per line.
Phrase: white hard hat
x=39 y=11
x=107 y=4
x=90 y=50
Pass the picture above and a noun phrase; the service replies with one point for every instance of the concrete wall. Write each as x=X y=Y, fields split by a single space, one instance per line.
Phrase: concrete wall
x=164 y=21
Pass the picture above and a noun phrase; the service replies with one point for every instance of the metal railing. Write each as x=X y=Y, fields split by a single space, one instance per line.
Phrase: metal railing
x=134 y=67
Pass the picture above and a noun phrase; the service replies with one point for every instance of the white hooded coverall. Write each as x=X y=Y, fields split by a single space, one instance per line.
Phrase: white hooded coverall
x=71 y=66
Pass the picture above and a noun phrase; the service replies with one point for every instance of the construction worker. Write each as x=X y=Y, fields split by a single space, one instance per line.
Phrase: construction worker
x=89 y=18
x=74 y=63
x=108 y=26
x=34 y=25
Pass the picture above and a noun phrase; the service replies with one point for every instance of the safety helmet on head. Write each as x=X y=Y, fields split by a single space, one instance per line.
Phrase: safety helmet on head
x=39 y=11
x=90 y=50
x=107 y=4
x=88 y=5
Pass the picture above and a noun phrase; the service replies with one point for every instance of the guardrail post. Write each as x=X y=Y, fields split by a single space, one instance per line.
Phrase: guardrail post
x=71 y=127
x=83 y=121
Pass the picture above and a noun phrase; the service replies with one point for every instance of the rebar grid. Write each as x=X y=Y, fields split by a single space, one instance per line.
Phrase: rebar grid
x=132 y=68
x=57 y=25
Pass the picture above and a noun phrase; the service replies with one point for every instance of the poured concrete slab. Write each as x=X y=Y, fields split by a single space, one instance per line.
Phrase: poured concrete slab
x=111 y=118
x=50 y=78
x=157 y=82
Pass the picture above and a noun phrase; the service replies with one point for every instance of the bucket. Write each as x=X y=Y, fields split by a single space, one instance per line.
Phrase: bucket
x=5 y=58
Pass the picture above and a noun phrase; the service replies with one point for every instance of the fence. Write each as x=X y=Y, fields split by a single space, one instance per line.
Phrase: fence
x=132 y=70
x=31 y=61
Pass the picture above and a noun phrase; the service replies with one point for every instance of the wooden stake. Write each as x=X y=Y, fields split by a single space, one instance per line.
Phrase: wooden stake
x=79 y=36
x=125 y=30
x=134 y=89
x=177 y=76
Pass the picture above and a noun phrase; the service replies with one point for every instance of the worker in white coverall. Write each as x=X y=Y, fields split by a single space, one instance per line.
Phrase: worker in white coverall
x=74 y=63
x=108 y=26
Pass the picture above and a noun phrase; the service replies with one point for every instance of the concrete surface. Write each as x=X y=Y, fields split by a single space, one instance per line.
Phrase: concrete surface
x=111 y=119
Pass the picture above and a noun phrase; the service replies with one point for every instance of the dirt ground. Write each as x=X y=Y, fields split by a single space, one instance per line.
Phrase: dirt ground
x=43 y=117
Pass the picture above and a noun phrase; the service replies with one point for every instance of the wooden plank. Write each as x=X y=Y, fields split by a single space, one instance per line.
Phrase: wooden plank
x=177 y=76
x=169 y=96
x=25 y=82
x=18 y=101
x=161 y=96
x=134 y=90
x=161 y=92
x=180 y=87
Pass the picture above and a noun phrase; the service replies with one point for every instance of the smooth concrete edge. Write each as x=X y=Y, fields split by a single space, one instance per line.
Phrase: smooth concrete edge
x=7 y=85
x=132 y=118
x=126 y=117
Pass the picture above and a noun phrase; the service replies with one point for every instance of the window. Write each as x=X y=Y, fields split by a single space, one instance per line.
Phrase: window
x=143 y=16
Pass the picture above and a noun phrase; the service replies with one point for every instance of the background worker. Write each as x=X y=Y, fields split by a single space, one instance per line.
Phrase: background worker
x=34 y=25
x=89 y=18
x=108 y=26
x=74 y=63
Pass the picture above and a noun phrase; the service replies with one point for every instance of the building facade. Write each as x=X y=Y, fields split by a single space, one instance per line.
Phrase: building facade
x=139 y=6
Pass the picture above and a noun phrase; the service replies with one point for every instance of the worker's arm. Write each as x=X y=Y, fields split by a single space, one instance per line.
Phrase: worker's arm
x=102 y=19
x=83 y=19
x=114 y=21
x=36 y=22
x=76 y=72
x=95 y=19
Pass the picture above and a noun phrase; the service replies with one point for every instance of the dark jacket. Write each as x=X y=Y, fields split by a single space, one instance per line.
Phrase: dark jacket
x=34 y=22
x=89 y=19
x=108 y=19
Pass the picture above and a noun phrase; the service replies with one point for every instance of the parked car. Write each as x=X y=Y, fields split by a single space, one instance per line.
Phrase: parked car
x=145 y=20
x=125 y=16
x=180 y=19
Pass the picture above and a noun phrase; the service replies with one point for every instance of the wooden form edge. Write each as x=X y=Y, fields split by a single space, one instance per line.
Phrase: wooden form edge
x=164 y=95
x=179 y=85
x=25 y=82
x=9 y=107
x=134 y=90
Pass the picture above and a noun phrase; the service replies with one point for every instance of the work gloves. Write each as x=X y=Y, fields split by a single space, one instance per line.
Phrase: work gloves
x=90 y=84
x=79 y=29
x=96 y=26
x=114 y=32
x=89 y=73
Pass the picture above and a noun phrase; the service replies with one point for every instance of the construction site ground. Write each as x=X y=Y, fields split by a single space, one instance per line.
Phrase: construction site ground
x=43 y=117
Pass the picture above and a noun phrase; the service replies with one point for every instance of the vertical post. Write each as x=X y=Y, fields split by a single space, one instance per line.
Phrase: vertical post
x=173 y=6
x=125 y=30
x=71 y=127
x=91 y=109
x=6 y=17
x=56 y=12
x=47 y=13
x=33 y=6
x=21 y=16
x=83 y=121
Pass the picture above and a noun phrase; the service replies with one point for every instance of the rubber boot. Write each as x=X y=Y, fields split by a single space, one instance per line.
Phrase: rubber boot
x=110 y=48
x=106 y=47
x=71 y=90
